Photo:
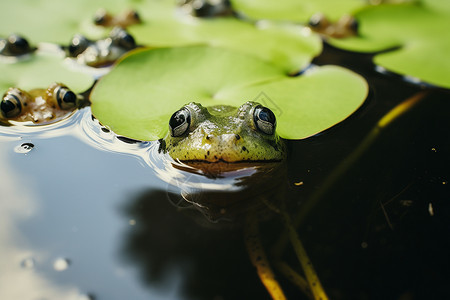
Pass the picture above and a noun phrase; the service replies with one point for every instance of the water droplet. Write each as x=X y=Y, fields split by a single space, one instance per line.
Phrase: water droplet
x=132 y=222
x=61 y=264
x=24 y=148
x=28 y=263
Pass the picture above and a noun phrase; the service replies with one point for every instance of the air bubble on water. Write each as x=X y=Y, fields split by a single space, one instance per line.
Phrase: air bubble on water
x=28 y=263
x=86 y=297
x=24 y=148
x=61 y=264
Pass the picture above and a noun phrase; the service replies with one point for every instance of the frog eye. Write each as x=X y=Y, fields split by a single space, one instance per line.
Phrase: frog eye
x=66 y=98
x=317 y=21
x=10 y=105
x=179 y=122
x=101 y=17
x=135 y=16
x=78 y=44
x=353 y=25
x=122 y=38
x=264 y=119
x=18 y=45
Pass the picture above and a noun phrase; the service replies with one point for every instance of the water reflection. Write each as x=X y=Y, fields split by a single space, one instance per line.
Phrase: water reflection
x=214 y=262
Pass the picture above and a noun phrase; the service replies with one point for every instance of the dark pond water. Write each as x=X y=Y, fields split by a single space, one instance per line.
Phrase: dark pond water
x=84 y=215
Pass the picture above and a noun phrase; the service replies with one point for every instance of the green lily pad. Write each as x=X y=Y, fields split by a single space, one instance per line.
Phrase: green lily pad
x=284 y=44
x=415 y=35
x=294 y=10
x=160 y=81
x=39 y=71
x=57 y=21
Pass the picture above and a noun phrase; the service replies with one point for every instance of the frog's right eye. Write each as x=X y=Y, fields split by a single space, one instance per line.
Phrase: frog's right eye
x=10 y=106
x=78 y=44
x=179 y=122
x=100 y=17
x=66 y=98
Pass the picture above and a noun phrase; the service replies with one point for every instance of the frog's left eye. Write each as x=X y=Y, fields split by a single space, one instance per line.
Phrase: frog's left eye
x=179 y=122
x=66 y=98
x=123 y=38
x=10 y=105
x=18 y=45
x=78 y=44
x=264 y=119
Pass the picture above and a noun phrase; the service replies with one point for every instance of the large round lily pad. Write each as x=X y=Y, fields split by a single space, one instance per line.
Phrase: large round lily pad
x=39 y=71
x=415 y=35
x=284 y=44
x=138 y=96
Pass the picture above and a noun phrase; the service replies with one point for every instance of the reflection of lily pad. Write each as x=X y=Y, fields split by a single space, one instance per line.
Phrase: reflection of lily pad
x=286 y=45
x=419 y=34
x=39 y=71
x=295 y=10
x=158 y=82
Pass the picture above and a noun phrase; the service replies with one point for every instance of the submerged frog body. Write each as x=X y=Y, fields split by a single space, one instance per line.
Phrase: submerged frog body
x=346 y=26
x=224 y=134
x=124 y=19
x=15 y=45
x=40 y=106
x=102 y=52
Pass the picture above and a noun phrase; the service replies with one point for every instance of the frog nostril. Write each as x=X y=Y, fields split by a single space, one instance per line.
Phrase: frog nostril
x=237 y=136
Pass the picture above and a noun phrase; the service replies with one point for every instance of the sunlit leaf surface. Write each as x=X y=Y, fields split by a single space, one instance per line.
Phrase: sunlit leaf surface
x=57 y=21
x=416 y=36
x=294 y=10
x=287 y=45
x=138 y=96
x=39 y=71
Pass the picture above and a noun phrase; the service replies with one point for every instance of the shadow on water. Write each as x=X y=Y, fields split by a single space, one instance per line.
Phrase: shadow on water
x=215 y=262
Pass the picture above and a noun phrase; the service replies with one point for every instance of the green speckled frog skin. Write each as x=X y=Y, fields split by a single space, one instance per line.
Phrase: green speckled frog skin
x=224 y=134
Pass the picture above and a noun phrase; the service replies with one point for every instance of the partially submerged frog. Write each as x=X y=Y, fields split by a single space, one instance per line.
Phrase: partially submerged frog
x=346 y=26
x=124 y=19
x=102 y=52
x=224 y=134
x=15 y=45
x=40 y=106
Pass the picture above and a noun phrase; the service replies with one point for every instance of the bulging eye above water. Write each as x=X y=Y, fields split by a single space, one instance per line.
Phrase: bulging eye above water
x=179 y=122
x=66 y=98
x=78 y=44
x=264 y=119
x=10 y=106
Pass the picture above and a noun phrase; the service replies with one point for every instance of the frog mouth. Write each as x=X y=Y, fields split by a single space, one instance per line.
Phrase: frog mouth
x=221 y=168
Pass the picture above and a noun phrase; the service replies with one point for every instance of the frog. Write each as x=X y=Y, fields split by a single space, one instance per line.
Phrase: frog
x=102 y=52
x=40 y=106
x=223 y=133
x=14 y=46
x=346 y=26
x=124 y=19
x=207 y=8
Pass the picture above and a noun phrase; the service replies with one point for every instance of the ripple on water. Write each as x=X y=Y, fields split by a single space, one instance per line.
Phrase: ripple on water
x=24 y=148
